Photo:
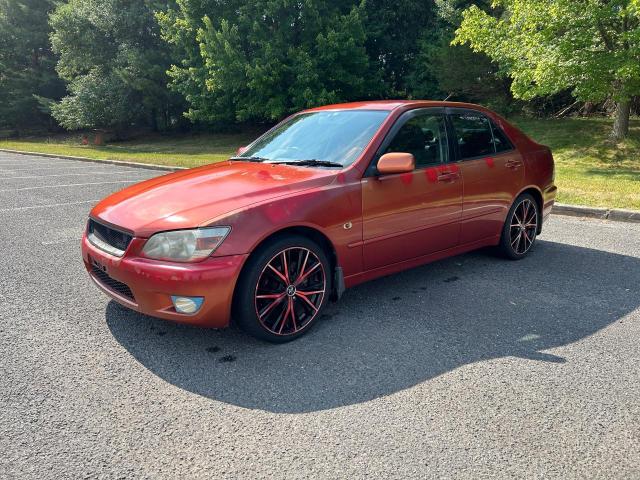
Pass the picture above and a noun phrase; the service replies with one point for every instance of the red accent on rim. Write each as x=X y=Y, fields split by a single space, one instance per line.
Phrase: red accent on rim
x=290 y=291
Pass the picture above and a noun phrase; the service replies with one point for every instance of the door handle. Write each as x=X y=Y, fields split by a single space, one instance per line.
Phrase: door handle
x=514 y=164
x=448 y=176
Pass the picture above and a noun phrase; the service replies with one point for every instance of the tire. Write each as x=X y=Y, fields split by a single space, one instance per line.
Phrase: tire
x=520 y=228
x=269 y=302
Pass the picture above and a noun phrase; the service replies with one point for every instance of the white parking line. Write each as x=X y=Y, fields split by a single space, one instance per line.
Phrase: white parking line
x=45 y=161
x=7 y=160
x=66 y=185
x=58 y=242
x=86 y=167
x=30 y=160
x=73 y=175
x=24 y=159
x=47 y=206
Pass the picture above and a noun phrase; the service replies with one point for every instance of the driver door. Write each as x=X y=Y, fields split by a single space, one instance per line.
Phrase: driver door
x=412 y=214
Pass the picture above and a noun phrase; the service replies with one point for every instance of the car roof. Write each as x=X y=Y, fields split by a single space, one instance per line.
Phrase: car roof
x=390 y=105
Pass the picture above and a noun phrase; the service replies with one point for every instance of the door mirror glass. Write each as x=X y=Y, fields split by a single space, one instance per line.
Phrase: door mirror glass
x=397 y=162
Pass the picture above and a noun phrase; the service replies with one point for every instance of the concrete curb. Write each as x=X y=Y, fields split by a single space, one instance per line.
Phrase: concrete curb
x=622 y=215
x=619 y=215
x=120 y=163
x=616 y=214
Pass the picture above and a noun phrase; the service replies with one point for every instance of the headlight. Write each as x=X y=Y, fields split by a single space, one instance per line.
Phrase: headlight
x=185 y=245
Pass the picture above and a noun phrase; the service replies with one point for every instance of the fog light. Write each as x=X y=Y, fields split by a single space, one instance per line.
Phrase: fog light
x=187 y=304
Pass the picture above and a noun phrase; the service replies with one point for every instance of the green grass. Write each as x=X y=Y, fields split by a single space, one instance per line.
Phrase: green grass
x=189 y=150
x=590 y=169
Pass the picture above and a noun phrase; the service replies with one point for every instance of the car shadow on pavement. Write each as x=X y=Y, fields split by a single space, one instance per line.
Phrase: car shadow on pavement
x=399 y=331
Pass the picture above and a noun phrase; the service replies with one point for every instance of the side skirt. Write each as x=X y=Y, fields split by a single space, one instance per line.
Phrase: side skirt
x=362 y=277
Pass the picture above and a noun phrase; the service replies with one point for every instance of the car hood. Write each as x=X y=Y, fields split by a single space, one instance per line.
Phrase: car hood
x=196 y=197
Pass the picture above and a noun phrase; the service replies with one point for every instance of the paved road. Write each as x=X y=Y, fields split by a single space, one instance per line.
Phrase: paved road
x=471 y=367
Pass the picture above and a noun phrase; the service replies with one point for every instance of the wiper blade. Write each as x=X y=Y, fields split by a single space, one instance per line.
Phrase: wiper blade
x=248 y=159
x=311 y=163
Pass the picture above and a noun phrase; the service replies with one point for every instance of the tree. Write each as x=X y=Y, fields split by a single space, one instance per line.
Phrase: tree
x=546 y=46
x=395 y=31
x=98 y=99
x=115 y=62
x=456 y=71
x=263 y=59
x=27 y=64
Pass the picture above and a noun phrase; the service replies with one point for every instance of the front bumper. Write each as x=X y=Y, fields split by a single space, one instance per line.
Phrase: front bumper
x=151 y=283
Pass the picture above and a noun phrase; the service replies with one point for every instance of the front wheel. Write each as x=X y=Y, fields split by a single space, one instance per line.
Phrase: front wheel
x=283 y=289
x=520 y=228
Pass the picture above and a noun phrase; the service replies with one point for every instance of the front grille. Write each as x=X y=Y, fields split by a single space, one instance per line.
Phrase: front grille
x=108 y=239
x=111 y=283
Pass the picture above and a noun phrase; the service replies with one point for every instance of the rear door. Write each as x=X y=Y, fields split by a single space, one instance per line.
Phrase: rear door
x=417 y=213
x=492 y=172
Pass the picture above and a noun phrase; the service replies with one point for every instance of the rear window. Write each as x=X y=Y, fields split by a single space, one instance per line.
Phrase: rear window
x=473 y=135
x=500 y=139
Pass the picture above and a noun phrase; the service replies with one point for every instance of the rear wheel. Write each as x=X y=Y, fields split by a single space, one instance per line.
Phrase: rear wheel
x=520 y=228
x=283 y=289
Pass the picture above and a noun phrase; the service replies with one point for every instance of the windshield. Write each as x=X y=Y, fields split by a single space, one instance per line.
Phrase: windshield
x=337 y=137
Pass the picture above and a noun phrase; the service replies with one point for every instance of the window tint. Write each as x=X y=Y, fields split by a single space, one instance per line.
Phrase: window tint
x=473 y=133
x=424 y=136
x=500 y=139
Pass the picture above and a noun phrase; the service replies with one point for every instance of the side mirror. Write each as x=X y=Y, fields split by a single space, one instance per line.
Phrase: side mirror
x=396 y=163
x=241 y=150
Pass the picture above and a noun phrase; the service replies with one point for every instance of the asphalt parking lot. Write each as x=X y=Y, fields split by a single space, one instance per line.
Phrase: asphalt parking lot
x=472 y=367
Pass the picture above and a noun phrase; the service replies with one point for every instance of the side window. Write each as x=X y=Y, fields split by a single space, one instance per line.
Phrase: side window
x=424 y=136
x=473 y=134
x=500 y=139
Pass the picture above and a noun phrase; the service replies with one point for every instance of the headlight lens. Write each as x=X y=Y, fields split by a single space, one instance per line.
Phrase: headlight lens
x=185 y=245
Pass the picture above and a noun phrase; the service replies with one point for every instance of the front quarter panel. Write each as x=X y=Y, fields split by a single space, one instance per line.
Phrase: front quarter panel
x=334 y=210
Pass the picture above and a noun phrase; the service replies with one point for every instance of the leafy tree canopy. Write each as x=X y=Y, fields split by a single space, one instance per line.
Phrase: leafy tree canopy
x=98 y=99
x=112 y=55
x=395 y=31
x=266 y=58
x=545 y=46
x=456 y=72
x=27 y=65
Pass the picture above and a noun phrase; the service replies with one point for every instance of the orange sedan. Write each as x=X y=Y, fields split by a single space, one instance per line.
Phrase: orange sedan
x=329 y=198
